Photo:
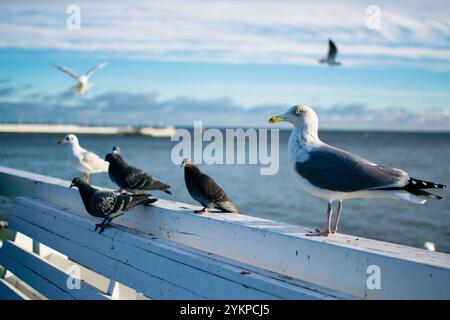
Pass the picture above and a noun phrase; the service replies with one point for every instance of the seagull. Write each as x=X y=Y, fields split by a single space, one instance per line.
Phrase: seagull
x=336 y=175
x=84 y=161
x=332 y=52
x=83 y=80
x=107 y=204
x=205 y=190
x=129 y=178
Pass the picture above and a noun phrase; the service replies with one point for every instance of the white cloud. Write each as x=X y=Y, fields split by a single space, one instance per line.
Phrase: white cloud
x=288 y=32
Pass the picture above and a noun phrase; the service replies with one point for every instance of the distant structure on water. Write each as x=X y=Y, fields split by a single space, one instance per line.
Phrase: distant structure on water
x=166 y=131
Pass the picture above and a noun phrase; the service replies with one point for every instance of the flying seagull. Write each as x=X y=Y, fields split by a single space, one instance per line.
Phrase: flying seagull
x=205 y=190
x=83 y=80
x=84 y=161
x=335 y=175
x=332 y=52
x=107 y=204
x=129 y=178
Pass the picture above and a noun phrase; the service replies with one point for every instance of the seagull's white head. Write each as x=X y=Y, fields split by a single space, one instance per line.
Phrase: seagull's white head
x=303 y=118
x=299 y=116
x=69 y=139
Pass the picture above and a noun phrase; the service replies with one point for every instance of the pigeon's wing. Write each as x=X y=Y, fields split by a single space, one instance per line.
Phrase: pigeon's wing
x=105 y=203
x=134 y=178
x=95 y=69
x=332 y=50
x=68 y=71
x=211 y=190
x=95 y=162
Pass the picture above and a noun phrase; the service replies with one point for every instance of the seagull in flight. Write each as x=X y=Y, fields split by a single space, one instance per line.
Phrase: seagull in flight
x=331 y=57
x=336 y=175
x=83 y=80
x=83 y=160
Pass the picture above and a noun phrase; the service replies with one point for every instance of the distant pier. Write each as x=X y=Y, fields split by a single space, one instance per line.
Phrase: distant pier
x=167 y=131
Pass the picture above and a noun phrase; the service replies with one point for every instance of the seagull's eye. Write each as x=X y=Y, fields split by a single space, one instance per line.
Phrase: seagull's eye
x=299 y=111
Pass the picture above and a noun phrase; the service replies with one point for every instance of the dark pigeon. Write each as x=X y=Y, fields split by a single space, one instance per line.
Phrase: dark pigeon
x=205 y=190
x=129 y=178
x=107 y=204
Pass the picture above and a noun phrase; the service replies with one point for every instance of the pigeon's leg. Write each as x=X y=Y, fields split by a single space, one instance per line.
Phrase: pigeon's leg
x=101 y=225
x=203 y=211
x=338 y=215
x=86 y=177
x=327 y=231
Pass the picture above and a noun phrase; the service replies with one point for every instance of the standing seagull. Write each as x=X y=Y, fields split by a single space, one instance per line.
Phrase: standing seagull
x=84 y=161
x=107 y=204
x=332 y=52
x=83 y=80
x=205 y=190
x=129 y=178
x=334 y=175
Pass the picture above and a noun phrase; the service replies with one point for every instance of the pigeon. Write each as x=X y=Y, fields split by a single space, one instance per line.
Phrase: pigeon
x=332 y=52
x=83 y=160
x=83 y=80
x=129 y=178
x=205 y=190
x=335 y=175
x=107 y=204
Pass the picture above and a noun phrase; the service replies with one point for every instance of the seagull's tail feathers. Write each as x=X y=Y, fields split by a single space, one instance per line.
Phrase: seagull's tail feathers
x=227 y=206
x=139 y=199
x=407 y=196
x=413 y=191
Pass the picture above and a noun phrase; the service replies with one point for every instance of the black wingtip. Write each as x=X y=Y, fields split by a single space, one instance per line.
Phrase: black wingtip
x=167 y=191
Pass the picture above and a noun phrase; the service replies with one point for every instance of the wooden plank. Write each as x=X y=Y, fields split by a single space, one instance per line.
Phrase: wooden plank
x=406 y=273
x=50 y=272
x=147 y=284
x=171 y=262
x=42 y=276
x=9 y=292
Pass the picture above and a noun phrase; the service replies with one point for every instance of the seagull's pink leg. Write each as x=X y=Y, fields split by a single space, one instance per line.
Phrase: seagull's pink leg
x=338 y=215
x=327 y=231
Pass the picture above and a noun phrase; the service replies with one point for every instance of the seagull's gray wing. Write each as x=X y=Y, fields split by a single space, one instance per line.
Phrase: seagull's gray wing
x=95 y=69
x=337 y=170
x=332 y=51
x=68 y=71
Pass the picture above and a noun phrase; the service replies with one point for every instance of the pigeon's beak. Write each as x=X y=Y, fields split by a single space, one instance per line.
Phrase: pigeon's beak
x=276 y=119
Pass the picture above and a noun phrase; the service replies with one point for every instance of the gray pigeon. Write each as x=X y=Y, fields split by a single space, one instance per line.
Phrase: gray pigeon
x=129 y=178
x=205 y=190
x=107 y=204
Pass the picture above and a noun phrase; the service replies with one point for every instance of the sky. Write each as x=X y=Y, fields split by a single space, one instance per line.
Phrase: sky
x=228 y=63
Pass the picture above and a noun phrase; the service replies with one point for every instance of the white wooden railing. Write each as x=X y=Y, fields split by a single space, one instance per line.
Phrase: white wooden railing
x=167 y=252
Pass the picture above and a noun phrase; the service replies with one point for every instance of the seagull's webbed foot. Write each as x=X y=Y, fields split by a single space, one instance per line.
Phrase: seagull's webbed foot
x=319 y=233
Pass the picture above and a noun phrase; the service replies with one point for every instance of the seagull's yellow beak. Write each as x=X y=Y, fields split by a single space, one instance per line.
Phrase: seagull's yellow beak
x=276 y=119
x=60 y=142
